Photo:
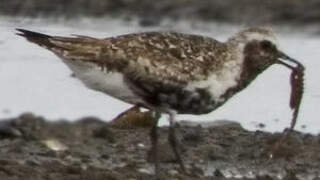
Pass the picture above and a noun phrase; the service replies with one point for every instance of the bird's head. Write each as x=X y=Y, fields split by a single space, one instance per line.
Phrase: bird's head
x=260 y=50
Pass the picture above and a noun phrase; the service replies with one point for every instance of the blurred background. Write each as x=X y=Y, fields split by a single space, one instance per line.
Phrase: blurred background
x=34 y=80
x=152 y=12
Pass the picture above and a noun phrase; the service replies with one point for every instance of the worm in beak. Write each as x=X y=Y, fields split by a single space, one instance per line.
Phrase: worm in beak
x=296 y=81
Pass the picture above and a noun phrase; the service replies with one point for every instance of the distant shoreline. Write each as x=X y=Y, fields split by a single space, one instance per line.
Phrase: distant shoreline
x=152 y=12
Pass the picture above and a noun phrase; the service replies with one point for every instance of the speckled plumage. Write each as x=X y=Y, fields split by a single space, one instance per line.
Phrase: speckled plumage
x=162 y=56
x=166 y=71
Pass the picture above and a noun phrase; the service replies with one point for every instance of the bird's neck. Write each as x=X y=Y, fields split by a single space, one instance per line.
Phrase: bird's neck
x=248 y=71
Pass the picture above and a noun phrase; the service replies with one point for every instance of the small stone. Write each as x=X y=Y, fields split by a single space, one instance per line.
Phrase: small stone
x=104 y=132
x=216 y=152
x=55 y=145
x=141 y=145
x=218 y=173
x=145 y=171
x=33 y=162
x=105 y=156
x=291 y=175
x=173 y=172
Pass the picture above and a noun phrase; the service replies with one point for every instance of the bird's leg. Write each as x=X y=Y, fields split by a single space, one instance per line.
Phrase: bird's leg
x=173 y=141
x=154 y=143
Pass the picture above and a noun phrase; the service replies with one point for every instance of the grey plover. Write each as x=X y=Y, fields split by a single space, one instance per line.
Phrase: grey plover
x=170 y=72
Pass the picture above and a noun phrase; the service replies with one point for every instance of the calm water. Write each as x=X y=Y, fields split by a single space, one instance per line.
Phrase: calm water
x=33 y=79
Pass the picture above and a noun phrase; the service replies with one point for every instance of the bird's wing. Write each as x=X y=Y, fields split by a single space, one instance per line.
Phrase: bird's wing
x=154 y=57
x=165 y=57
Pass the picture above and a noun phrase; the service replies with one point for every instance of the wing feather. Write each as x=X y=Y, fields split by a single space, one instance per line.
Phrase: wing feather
x=169 y=58
x=156 y=57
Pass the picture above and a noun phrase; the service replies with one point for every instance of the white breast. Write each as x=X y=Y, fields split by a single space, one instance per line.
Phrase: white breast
x=219 y=82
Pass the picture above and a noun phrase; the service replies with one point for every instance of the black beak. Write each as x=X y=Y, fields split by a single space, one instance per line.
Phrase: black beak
x=287 y=61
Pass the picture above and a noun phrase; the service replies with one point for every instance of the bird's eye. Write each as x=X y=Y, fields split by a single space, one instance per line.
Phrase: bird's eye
x=266 y=44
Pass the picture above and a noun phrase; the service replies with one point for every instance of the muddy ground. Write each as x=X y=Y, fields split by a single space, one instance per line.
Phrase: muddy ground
x=36 y=149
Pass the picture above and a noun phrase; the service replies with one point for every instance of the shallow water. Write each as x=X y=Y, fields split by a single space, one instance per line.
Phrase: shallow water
x=33 y=79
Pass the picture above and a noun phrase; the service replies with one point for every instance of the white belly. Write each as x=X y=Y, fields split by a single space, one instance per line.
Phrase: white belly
x=111 y=83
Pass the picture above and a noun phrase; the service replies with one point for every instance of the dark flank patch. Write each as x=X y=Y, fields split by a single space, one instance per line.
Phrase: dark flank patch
x=174 y=97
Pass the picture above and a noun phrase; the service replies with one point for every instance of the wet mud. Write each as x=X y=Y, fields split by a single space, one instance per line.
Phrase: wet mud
x=33 y=148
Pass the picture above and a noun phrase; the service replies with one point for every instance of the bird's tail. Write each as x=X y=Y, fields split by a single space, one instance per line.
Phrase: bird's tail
x=37 y=38
x=65 y=47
